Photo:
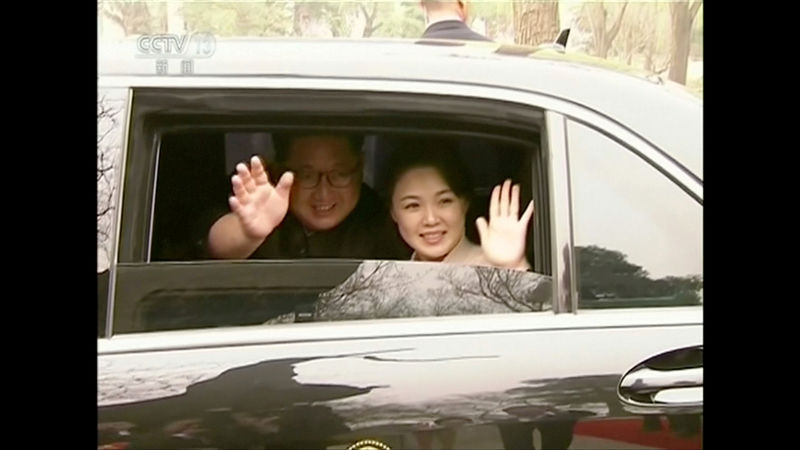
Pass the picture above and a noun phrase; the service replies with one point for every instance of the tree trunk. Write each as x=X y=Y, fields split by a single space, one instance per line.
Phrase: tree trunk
x=301 y=19
x=598 y=17
x=535 y=22
x=629 y=48
x=612 y=33
x=132 y=17
x=682 y=18
x=369 y=19
x=649 y=64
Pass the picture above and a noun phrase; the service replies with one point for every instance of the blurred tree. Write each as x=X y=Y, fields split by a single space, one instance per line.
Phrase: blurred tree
x=301 y=17
x=307 y=18
x=106 y=120
x=535 y=21
x=498 y=16
x=594 y=16
x=485 y=289
x=174 y=18
x=136 y=17
x=681 y=286
x=400 y=19
x=643 y=37
x=683 y=14
x=238 y=18
x=370 y=13
x=377 y=289
x=607 y=273
x=697 y=36
x=340 y=16
x=604 y=273
x=110 y=109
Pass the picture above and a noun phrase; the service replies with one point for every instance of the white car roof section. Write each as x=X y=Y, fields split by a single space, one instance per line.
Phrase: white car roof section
x=632 y=100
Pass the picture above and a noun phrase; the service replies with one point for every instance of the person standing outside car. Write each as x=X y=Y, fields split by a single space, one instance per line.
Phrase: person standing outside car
x=445 y=19
x=319 y=206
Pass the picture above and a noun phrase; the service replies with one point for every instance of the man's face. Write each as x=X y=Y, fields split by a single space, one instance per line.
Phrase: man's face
x=327 y=181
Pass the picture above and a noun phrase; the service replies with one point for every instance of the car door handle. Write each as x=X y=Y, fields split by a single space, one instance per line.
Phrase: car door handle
x=669 y=383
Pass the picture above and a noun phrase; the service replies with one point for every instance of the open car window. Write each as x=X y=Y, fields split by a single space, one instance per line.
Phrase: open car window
x=194 y=169
x=185 y=147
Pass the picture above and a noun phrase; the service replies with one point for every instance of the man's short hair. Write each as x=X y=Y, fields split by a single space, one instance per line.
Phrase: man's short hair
x=438 y=5
x=282 y=142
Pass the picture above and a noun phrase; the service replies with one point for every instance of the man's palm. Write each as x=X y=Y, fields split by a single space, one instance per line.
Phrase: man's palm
x=259 y=205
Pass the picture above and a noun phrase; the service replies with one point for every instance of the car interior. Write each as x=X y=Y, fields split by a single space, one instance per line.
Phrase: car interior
x=192 y=188
x=194 y=170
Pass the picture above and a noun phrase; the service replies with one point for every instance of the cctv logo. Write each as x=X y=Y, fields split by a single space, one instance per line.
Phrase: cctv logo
x=196 y=45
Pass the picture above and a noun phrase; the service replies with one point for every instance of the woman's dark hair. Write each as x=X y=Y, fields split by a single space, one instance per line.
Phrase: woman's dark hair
x=439 y=153
x=282 y=142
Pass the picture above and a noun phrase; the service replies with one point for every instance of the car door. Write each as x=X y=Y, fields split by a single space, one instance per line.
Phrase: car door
x=588 y=367
x=633 y=244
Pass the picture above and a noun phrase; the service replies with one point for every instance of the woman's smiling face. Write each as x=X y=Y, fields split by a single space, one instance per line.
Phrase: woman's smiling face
x=429 y=216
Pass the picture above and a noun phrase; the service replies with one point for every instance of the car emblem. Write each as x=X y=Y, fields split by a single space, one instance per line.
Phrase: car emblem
x=369 y=444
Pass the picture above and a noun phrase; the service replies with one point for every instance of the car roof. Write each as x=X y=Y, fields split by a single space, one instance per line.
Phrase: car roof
x=630 y=96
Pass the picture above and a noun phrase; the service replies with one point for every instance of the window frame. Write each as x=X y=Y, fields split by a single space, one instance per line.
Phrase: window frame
x=106 y=309
x=694 y=193
x=552 y=160
x=139 y=198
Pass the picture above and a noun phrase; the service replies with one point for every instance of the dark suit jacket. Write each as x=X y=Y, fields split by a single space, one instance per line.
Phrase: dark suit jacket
x=452 y=29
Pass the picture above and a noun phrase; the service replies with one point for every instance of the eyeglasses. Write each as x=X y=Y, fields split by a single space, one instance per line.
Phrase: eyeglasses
x=309 y=179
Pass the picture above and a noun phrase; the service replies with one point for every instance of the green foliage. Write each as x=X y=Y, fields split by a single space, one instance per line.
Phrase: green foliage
x=339 y=15
x=237 y=18
x=401 y=19
x=498 y=14
x=135 y=17
x=283 y=18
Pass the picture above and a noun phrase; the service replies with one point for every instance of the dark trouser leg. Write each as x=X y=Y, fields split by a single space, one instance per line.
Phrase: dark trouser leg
x=517 y=436
x=556 y=435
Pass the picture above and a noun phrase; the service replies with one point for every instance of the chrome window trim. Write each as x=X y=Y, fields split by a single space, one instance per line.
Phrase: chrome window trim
x=688 y=319
x=562 y=245
x=120 y=185
x=151 y=220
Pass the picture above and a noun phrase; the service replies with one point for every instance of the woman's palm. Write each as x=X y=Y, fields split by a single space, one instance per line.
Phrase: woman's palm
x=503 y=237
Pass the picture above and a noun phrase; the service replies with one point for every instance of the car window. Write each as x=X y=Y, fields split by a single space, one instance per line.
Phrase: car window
x=195 y=166
x=178 y=180
x=638 y=236
x=218 y=294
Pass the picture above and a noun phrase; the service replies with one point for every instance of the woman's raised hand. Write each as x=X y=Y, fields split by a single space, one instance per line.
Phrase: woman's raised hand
x=503 y=237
